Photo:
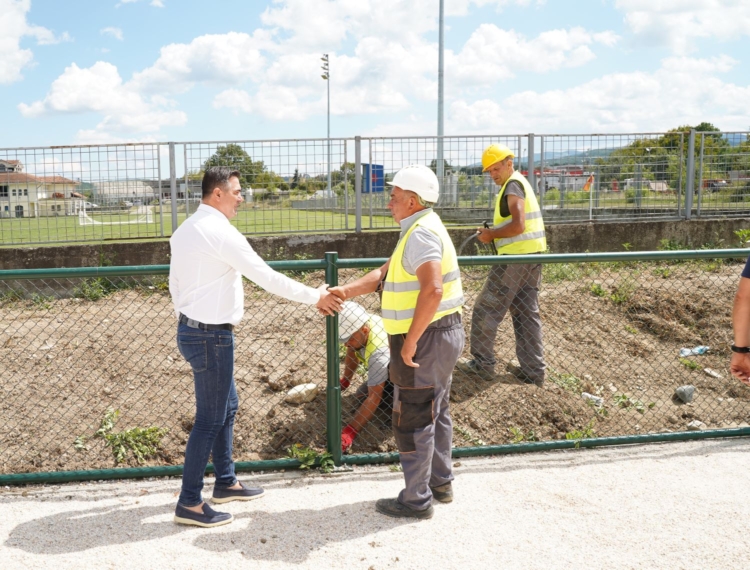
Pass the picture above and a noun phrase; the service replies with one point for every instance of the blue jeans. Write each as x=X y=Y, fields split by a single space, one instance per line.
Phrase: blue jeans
x=211 y=356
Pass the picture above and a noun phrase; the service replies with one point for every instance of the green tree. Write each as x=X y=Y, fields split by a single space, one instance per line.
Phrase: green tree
x=234 y=156
x=295 y=179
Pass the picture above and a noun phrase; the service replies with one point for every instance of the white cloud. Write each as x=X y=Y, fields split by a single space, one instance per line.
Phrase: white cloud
x=100 y=89
x=678 y=23
x=154 y=3
x=227 y=59
x=235 y=100
x=682 y=91
x=112 y=31
x=14 y=27
x=492 y=53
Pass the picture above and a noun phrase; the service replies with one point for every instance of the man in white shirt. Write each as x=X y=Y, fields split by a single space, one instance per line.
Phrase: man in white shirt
x=209 y=258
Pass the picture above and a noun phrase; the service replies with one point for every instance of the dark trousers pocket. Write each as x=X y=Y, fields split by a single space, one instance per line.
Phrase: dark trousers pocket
x=414 y=408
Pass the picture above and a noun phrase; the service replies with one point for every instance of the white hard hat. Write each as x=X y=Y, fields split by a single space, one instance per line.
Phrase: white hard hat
x=419 y=179
x=351 y=318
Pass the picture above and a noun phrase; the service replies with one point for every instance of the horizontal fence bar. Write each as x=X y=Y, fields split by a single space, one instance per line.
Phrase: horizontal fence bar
x=136 y=472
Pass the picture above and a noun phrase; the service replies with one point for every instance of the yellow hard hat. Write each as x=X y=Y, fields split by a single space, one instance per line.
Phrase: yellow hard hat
x=495 y=153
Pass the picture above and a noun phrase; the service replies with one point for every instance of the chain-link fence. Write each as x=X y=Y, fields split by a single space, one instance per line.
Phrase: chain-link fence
x=94 y=193
x=91 y=378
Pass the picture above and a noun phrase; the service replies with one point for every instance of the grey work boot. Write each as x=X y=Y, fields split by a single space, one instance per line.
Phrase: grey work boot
x=515 y=369
x=393 y=508
x=443 y=493
x=474 y=368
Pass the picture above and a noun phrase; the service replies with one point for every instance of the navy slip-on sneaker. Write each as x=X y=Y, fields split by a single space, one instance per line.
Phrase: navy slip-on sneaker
x=224 y=494
x=209 y=518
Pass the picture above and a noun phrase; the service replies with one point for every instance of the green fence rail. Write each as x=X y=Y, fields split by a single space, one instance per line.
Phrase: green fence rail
x=88 y=364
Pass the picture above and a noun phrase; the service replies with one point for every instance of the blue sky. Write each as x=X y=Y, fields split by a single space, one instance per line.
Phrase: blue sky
x=101 y=71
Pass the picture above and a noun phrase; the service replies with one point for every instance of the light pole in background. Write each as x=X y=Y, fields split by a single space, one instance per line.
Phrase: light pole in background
x=439 y=163
x=327 y=78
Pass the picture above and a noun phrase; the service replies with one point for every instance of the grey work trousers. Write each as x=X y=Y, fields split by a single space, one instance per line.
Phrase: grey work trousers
x=422 y=422
x=514 y=287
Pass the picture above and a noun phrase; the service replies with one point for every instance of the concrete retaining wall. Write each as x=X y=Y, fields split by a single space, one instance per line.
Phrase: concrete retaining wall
x=562 y=238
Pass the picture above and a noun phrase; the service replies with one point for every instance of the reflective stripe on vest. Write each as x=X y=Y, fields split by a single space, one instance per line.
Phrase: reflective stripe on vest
x=533 y=239
x=414 y=285
x=377 y=338
x=401 y=289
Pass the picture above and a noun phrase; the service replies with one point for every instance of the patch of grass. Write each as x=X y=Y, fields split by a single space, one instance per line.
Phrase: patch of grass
x=631 y=330
x=309 y=458
x=577 y=435
x=662 y=272
x=396 y=468
x=519 y=436
x=566 y=381
x=690 y=364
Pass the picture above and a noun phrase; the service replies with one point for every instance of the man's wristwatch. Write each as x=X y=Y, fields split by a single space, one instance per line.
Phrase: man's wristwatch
x=743 y=349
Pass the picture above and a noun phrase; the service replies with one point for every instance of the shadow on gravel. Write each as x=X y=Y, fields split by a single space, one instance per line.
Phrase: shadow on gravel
x=291 y=536
x=76 y=531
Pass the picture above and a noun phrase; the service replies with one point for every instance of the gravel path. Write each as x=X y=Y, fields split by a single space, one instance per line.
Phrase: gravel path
x=678 y=505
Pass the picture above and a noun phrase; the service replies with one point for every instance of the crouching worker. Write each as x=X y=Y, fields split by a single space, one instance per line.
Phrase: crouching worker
x=366 y=343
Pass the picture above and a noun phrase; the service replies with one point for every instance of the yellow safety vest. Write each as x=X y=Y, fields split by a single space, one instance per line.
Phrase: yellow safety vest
x=377 y=338
x=400 y=290
x=533 y=239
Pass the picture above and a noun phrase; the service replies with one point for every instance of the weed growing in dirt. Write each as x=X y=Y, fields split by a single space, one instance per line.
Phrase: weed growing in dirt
x=10 y=296
x=80 y=443
x=662 y=272
x=690 y=364
x=141 y=442
x=578 y=434
x=469 y=436
x=557 y=272
x=631 y=330
x=623 y=291
x=308 y=458
x=519 y=436
x=566 y=381
x=598 y=290
x=41 y=301
x=628 y=403
x=396 y=468
x=743 y=236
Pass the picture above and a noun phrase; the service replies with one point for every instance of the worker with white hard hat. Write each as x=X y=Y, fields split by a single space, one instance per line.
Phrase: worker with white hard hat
x=421 y=312
x=366 y=344
x=517 y=229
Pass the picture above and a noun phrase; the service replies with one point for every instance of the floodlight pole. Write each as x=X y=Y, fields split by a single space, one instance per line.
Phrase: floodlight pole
x=327 y=77
x=440 y=166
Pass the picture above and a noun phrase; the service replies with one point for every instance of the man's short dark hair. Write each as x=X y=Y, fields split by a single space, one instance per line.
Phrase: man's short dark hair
x=217 y=176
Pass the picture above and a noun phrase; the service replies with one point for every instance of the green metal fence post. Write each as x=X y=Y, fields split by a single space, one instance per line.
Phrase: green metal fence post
x=333 y=392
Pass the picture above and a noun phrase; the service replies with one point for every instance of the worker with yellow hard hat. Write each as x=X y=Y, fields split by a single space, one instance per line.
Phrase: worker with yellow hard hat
x=517 y=229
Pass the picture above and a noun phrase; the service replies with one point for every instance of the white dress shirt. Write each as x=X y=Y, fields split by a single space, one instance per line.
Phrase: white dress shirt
x=209 y=258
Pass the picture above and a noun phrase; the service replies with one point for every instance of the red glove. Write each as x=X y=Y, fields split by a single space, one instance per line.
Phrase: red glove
x=344 y=383
x=347 y=437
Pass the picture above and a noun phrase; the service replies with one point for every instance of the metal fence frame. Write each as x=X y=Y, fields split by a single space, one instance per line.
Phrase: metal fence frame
x=331 y=264
x=467 y=196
